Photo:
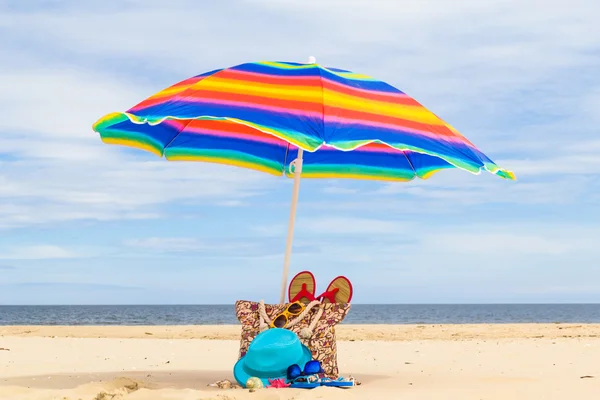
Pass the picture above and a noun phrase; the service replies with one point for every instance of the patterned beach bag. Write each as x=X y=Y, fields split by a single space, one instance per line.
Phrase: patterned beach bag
x=315 y=327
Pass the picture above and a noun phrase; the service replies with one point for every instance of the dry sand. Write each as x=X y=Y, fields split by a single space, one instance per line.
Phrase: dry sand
x=524 y=361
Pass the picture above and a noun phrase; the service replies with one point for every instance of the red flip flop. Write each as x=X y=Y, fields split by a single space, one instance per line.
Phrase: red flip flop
x=302 y=288
x=339 y=291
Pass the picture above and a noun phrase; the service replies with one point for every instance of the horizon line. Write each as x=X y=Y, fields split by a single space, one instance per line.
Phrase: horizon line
x=356 y=304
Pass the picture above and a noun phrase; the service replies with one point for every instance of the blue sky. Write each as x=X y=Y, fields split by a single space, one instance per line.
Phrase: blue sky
x=86 y=223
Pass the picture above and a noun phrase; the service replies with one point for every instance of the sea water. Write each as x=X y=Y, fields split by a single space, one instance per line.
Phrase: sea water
x=359 y=314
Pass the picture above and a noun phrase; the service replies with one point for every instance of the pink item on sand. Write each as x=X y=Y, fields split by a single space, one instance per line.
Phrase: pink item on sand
x=278 y=383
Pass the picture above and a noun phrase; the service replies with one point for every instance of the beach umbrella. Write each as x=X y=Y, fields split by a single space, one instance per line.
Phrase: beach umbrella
x=296 y=119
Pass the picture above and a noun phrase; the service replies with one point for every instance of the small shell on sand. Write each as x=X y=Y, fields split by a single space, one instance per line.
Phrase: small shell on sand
x=224 y=384
x=254 y=383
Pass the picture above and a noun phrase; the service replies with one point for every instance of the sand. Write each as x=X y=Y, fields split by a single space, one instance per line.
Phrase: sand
x=523 y=361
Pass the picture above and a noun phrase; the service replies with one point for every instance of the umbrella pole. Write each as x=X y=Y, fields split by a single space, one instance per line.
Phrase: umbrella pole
x=290 y=234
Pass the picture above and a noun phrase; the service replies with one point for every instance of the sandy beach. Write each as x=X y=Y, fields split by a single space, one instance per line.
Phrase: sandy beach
x=519 y=361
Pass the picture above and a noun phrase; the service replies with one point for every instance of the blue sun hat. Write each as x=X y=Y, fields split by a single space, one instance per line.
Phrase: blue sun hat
x=269 y=356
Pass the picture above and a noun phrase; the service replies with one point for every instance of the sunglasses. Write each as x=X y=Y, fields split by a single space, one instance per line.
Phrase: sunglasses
x=295 y=373
x=292 y=310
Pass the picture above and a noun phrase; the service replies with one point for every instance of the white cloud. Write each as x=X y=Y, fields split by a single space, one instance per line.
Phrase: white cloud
x=339 y=225
x=457 y=191
x=36 y=252
x=515 y=240
x=575 y=289
x=206 y=248
x=488 y=246
x=586 y=147
x=39 y=192
x=326 y=224
x=167 y=244
x=14 y=215
x=573 y=164
x=505 y=244
x=338 y=188
x=62 y=102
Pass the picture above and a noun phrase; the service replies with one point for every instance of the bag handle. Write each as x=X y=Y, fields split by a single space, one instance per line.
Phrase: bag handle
x=306 y=333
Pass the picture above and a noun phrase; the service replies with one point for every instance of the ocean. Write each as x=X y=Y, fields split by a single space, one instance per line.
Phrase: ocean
x=359 y=314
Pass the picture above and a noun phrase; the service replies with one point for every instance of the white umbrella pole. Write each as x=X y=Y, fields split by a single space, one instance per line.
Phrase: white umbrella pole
x=290 y=234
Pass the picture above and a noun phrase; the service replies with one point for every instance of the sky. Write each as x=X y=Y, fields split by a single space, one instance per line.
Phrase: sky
x=82 y=222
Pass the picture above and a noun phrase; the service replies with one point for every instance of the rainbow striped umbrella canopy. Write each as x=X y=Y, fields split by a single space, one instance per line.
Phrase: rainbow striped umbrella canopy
x=298 y=120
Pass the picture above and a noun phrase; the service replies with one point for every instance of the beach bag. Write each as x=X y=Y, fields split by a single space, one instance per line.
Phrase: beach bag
x=315 y=327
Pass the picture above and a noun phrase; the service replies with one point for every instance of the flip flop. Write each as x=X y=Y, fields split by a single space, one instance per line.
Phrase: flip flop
x=302 y=288
x=339 y=382
x=338 y=291
x=305 y=382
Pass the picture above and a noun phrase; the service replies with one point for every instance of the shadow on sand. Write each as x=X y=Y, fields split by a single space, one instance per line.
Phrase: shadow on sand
x=198 y=380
